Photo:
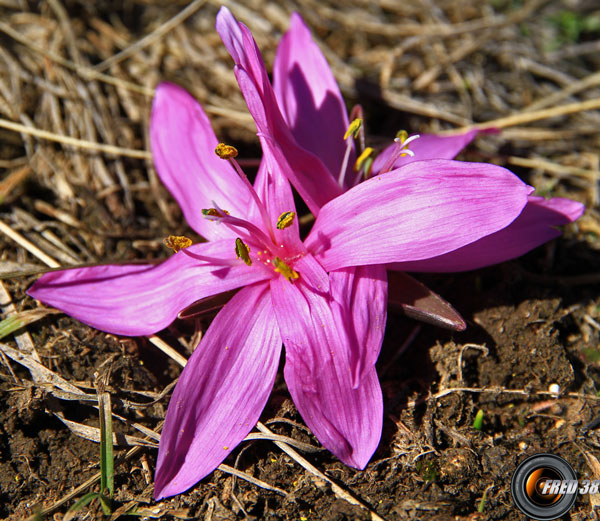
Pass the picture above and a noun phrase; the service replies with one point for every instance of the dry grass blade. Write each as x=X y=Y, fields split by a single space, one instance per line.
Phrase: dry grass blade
x=79 y=143
x=63 y=390
x=24 y=341
x=94 y=434
x=168 y=350
x=39 y=372
x=594 y=465
x=528 y=117
x=251 y=479
x=586 y=83
x=28 y=245
x=555 y=168
x=337 y=489
x=81 y=488
x=158 y=33
x=503 y=390
x=27 y=270
x=86 y=73
x=12 y=180
x=306 y=447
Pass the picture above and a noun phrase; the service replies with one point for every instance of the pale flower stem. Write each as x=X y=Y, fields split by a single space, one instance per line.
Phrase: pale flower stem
x=359 y=174
x=261 y=206
x=254 y=232
x=393 y=157
x=344 y=167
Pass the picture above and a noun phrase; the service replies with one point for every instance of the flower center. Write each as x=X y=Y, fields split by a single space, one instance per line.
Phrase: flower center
x=253 y=244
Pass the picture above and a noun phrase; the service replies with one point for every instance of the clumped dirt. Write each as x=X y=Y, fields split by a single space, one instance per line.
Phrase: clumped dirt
x=532 y=322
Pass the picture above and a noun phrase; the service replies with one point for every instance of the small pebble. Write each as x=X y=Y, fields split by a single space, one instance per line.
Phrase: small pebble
x=554 y=389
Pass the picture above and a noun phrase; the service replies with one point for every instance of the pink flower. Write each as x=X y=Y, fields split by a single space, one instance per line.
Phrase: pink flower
x=304 y=121
x=324 y=298
x=304 y=114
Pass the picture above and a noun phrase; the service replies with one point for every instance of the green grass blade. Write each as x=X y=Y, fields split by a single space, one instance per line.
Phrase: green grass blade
x=17 y=321
x=478 y=422
x=81 y=502
x=107 y=469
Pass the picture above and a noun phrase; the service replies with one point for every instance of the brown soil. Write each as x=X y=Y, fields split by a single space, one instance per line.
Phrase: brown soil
x=532 y=322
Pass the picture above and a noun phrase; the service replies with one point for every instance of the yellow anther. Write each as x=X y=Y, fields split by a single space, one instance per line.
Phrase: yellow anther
x=360 y=161
x=285 y=270
x=213 y=212
x=226 y=151
x=402 y=135
x=285 y=220
x=242 y=251
x=177 y=242
x=353 y=128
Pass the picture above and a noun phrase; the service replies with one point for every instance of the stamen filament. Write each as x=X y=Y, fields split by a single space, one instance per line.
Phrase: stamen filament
x=255 y=233
x=363 y=165
x=229 y=153
x=344 y=167
x=351 y=134
x=400 y=150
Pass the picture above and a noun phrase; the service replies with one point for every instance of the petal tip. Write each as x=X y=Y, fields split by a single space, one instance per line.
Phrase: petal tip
x=297 y=23
x=224 y=14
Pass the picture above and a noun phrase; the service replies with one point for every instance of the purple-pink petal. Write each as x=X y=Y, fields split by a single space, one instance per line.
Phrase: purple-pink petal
x=428 y=146
x=534 y=226
x=309 y=96
x=305 y=170
x=275 y=191
x=221 y=392
x=183 y=147
x=419 y=211
x=343 y=412
x=141 y=300
x=360 y=297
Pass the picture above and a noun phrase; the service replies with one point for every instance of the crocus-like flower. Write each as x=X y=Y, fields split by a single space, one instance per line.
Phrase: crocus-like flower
x=304 y=114
x=324 y=299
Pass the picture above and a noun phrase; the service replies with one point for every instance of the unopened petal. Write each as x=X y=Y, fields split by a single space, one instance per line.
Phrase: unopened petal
x=221 y=392
x=417 y=301
x=183 y=147
x=141 y=300
x=309 y=96
x=419 y=211
x=534 y=226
